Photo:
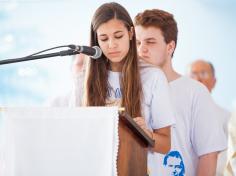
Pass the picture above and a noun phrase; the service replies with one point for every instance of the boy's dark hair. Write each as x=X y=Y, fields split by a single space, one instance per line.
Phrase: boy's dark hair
x=160 y=19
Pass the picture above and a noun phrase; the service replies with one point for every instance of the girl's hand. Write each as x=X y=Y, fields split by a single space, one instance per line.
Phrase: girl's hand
x=141 y=122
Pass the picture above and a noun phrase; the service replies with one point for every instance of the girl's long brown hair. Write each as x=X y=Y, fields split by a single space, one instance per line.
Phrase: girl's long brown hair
x=97 y=77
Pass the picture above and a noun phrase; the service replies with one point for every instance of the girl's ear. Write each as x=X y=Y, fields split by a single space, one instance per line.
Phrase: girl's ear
x=131 y=33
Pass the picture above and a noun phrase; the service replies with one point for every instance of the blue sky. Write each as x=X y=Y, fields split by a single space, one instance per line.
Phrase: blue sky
x=207 y=29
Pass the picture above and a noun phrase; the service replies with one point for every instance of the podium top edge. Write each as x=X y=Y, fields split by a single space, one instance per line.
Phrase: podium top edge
x=121 y=109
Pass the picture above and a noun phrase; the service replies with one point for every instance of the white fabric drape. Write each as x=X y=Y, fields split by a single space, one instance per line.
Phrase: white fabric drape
x=60 y=141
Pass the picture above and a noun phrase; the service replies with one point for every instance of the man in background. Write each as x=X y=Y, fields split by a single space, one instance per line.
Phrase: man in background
x=231 y=152
x=204 y=72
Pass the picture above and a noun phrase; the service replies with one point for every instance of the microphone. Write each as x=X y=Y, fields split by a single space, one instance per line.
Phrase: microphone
x=94 y=52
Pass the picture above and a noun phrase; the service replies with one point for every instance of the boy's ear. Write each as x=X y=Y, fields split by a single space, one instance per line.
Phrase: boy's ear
x=171 y=47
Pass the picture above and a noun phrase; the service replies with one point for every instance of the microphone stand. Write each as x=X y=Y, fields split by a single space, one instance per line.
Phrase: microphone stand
x=32 y=57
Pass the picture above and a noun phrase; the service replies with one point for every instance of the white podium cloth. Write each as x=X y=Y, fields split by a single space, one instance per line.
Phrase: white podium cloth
x=59 y=141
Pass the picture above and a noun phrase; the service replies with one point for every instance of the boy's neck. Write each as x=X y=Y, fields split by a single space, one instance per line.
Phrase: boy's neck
x=170 y=73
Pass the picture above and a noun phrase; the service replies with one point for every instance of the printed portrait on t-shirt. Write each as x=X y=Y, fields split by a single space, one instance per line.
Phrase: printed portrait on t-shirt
x=174 y=164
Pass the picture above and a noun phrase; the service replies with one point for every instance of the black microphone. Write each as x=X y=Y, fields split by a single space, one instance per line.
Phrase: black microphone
x=94 y=52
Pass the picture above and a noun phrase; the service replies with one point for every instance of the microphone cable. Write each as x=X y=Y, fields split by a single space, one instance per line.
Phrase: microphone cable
x=49 y=49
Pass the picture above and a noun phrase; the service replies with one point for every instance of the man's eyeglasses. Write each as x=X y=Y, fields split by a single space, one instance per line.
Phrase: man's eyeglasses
x=201 y=75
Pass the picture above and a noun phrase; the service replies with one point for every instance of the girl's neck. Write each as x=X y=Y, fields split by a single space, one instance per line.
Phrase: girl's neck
x=116 y=67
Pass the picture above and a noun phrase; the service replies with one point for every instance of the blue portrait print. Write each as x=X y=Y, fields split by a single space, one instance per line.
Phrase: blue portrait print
x=173 y=161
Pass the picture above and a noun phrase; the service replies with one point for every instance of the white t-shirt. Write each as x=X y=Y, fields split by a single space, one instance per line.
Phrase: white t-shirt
x=196 y=131
x=156 y=105
x=156 y=93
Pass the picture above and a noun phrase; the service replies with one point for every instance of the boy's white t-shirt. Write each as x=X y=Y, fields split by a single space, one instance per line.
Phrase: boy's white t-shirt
x=196 y=131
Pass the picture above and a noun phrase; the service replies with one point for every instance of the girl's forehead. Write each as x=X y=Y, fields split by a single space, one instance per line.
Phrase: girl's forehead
x=111 y=26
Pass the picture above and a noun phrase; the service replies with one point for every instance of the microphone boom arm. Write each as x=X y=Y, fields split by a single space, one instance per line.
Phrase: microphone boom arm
x=27 y=58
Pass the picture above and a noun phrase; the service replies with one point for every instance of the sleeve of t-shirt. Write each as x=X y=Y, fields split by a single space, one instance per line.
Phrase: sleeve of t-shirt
x=72 y=98
x=77 y=90
x=58 y=101
x=207 y=130
x=161 y=108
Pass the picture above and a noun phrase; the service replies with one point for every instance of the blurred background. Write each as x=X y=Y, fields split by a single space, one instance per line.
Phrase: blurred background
x=207 y=29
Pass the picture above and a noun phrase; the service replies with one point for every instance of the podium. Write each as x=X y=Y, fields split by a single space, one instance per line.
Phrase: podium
x=132 y=153
x=51 y=141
